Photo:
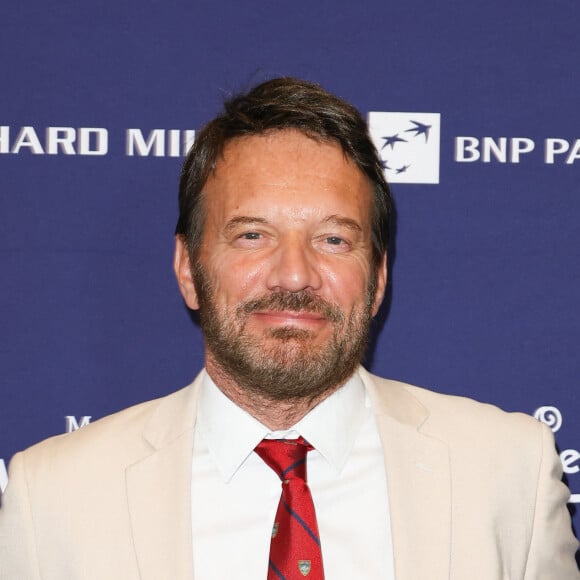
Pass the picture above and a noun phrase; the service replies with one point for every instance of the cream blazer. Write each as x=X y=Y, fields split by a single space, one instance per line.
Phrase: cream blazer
x=475 y=494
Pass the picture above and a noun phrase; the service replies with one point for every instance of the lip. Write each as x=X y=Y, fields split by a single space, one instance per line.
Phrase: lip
x=289 y=317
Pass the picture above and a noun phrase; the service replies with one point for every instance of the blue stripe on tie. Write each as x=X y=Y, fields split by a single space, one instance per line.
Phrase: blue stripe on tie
x=276 y=571
x=293 y=466
x=302 y=523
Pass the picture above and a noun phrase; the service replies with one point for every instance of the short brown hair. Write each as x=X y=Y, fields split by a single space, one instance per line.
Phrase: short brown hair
x=282 y=103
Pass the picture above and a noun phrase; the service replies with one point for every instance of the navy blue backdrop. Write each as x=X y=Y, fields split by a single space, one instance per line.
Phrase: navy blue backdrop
x=98 y=101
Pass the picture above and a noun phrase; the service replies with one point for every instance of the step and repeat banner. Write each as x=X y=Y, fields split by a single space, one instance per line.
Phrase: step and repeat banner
x=473 y=106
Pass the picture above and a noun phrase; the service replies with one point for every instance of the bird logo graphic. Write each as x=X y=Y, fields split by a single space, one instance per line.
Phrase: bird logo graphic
x=408 y=145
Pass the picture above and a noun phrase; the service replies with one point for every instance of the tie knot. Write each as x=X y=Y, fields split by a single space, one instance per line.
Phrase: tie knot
x=287 y=457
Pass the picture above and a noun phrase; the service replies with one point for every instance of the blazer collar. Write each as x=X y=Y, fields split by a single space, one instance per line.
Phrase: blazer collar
x=159 y=490
x=418 y=479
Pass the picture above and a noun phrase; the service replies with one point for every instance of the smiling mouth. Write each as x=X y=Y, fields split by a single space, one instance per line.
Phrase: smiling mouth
x=290 y=317
x=300 y=307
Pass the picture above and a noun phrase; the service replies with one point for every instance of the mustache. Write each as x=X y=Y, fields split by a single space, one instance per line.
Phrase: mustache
x=302 y=301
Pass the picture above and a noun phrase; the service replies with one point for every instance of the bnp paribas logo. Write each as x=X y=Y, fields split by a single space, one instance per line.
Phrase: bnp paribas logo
x=408 y=144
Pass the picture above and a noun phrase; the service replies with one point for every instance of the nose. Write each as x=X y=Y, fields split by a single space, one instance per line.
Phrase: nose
x=294 y=267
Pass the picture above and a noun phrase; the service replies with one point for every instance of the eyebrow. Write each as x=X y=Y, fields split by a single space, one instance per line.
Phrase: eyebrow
x=334 y=219
x=343 y=221
x=243 y=220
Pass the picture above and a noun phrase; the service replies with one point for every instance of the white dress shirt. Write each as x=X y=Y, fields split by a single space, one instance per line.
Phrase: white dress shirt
x=235 y=494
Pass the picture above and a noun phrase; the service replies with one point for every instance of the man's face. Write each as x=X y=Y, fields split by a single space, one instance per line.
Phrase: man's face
x=284 y=279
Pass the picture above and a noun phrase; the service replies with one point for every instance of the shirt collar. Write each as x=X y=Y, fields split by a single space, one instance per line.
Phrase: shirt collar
x=232 y=434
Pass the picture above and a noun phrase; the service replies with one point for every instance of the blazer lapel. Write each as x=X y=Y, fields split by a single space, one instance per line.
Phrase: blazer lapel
x=419 y=484
x=159 y=491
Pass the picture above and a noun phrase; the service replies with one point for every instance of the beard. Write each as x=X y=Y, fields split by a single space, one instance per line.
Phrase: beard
x=283 y=364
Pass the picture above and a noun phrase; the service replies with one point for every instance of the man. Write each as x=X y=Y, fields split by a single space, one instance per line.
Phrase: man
x=281 y=245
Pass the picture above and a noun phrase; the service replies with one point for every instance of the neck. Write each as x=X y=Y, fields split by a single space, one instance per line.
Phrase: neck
x=274 y=414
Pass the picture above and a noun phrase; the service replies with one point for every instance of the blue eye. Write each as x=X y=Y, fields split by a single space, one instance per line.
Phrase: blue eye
x=334 y=240
x=251 y=236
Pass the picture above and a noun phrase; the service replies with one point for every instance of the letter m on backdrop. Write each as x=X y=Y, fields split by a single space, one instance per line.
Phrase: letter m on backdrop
x=72 y=423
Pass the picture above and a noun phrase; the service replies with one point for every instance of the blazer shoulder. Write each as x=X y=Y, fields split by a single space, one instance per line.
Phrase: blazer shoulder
x=452 y=417
x=129 y=432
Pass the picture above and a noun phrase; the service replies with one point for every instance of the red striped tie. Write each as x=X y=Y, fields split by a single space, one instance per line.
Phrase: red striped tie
x=295 y=546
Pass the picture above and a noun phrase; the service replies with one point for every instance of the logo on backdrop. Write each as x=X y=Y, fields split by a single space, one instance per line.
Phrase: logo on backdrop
x=3 y=476
x=570 y=458
x=408 y=144
x=73 y=424
x=513 y=149
x=94 y=141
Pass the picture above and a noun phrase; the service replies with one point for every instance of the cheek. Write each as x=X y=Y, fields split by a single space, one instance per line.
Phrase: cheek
x=236 y=280
x=348 y=284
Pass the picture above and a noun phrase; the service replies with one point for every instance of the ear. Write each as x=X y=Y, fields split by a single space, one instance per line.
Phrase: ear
x=182 y=267
x=381 y=285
